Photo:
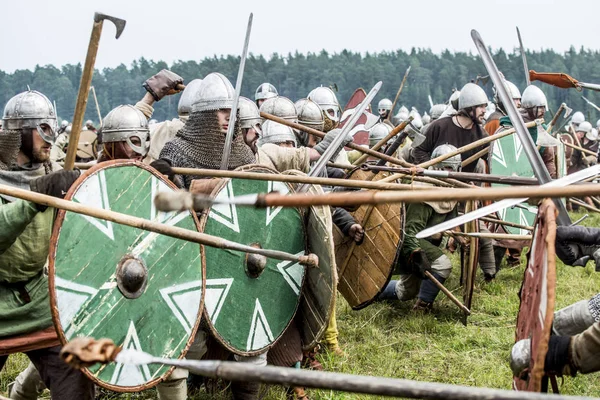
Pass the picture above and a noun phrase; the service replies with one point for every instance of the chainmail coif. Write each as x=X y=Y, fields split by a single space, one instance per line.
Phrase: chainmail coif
x=200 y=144
x=10 y=142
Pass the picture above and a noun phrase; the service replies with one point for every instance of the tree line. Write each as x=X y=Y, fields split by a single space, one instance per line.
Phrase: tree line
x=295 y=75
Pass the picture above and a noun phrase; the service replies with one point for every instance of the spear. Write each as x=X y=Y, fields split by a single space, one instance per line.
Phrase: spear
x=141 y=223
x=590 y=103
x=389 y=117
x=85 y=352
x=386 y=139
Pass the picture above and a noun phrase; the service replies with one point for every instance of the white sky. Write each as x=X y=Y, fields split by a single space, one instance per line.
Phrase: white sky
x=57 y=31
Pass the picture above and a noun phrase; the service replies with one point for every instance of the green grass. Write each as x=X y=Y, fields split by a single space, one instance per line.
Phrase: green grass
x=387 y=339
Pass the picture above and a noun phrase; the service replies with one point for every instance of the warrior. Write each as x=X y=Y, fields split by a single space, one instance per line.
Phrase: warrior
x=89 y=125
x=384 y=109
x=63 y=127
x=329 y=105
x=29 y=131
x=589 y=141
x=576 y=119
x=533 y=106
x=420 y=255
x=57 y=152
x=264 y=92
x=310 y=115
x=493 y=121
x=459 y=130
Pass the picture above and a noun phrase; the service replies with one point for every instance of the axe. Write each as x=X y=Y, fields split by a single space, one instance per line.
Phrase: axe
x=567 y=111
x=563 y=81
x=86 y=80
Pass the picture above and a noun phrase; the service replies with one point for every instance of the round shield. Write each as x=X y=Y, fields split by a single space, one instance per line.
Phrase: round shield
x=140 y=289
x=359 y=132
x=507 y=157
x=250 y=301
x=319 y=292
x=86 y=147
x=364 y=270
x=469 y=257
x=536 y=310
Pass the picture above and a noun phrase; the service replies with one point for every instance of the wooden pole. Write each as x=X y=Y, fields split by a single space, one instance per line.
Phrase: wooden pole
x=447 y=293
x=588 y=152
x=475 y=157
x=389 y=117
x=140 y=223
x=584 y=205
x=483 y=235
x=383 y=141
x=506 y=223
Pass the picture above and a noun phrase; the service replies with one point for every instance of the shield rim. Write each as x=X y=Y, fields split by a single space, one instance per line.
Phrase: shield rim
x=469 y=264
x=334 y=272
x=204 y=218
x=367 y=303
x=56 y=228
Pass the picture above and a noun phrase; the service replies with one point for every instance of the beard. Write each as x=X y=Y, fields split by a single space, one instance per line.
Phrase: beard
x=40 y=156
x=329 y=125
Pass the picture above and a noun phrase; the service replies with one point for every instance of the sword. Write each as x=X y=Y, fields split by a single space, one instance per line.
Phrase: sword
x=524 y=58
x=333 y=147
x=539 y=169
x=500 y=205
x=238 y=89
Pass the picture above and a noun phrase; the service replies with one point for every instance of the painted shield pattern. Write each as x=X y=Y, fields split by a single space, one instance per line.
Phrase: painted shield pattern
x=536 y=310
x=246 y=312
x=508 y=158
x=140 y=289
x=360 y=133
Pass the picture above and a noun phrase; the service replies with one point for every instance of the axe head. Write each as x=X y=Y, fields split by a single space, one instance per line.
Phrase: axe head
x=119 y=23
x=568 y=110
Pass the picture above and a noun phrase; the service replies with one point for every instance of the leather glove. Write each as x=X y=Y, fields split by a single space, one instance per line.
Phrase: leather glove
x=419 y=263
x=329 y=138
x=164 y=83
x=164 y=167
x=55 y=184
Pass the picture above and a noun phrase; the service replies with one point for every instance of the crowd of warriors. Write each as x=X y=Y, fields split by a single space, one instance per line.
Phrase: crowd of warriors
x=32 y=145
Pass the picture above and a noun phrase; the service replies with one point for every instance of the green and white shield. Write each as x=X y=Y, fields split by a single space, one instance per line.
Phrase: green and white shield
x=508 y=158
x=248 y=312
x=140 y=289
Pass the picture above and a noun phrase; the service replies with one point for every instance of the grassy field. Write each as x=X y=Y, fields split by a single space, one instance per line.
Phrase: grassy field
x=387 y=339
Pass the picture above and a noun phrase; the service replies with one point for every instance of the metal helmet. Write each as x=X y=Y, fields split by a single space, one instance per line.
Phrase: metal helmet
x=248 y=114
x=577 y=118
x=592 y=135
x=453 y=162
x=378 y=132
x=281 y=107
x=327 y=101
x=437 y=110
x=598 y=124
x=384 y=105
x=30 y=110
x=89 y=122
x=533 y=97
x=415 y=114
x=64 y=123
x=265 y=91
x=123 y=123
x=584 y=127
x=471 y=95
x=275 y=133
x=512 y=90
x=426 y=119
x=214 y=93
x=453 y=100
x=188 y=97
x=310 y=114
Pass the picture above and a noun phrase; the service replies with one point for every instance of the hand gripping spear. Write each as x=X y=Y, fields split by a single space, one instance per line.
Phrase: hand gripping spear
x=238 y=89
x=86 y=80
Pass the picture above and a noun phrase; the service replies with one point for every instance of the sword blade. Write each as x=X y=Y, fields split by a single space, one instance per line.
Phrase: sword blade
x=533 y=155
x=500 y=205
x=238 y=89
x=524 y=57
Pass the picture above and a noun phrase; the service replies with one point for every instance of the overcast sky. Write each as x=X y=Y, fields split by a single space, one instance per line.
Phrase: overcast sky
x=57 y=31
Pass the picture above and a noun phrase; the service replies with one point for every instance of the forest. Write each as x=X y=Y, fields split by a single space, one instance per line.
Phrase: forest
x=294 y=75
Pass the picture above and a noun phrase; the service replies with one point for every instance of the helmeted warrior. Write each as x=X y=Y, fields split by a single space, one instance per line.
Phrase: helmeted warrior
x=420 y=255
x=589 y=141
x=378 y=132
x=310 y=115
x=329 y=105
x=281 y=107
x=264 y=92
x=426 y=118
x=401 y=116
x=577 y=119
x=278 y=134
x=436 y=111
x=460 y=130
x=125 y=134
x=384 y=108
x=493 y=121
x=29 y=126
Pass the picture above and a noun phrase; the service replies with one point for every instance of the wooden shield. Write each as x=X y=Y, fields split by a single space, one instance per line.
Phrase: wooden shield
x=247 y=314
x=86 y=147
x=508 y=158
x=89 y=260
x=362 y=135
x=469 y=257
x=319 y=291
x=536 y=311
x=365 y=270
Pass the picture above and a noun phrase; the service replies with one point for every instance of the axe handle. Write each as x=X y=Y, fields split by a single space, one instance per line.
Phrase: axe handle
x=82 y=96
x=556 y=117
x=447 y=293
x=383 y=141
